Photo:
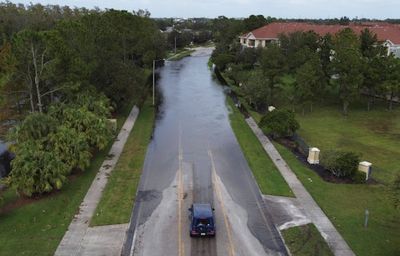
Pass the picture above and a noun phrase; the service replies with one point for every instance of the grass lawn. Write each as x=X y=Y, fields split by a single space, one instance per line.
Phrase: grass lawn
x=36 y=226
x=374 y=134
x=117 y=201
x=345 y=205
x=306 y=241
x=267 y=175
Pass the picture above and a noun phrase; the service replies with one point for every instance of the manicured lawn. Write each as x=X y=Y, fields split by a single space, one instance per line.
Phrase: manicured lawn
x=374 y=134
x=117 y=201
x=345 y=205
x=268 y=177
x=306 y=241
x=36 y=226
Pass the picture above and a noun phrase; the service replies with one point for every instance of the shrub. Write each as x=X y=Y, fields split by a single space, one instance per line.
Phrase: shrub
x=93 y=126
x=279 y=123
x=340 y=163
x=47 y=151
x=223 y=60
x=37 y=170
x=35 y=126
x=70 y=146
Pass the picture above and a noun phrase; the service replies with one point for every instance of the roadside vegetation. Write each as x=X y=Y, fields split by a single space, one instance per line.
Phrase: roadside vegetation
x=117 y=201
x=266 y=174
x=345 y=102
x=374 y=134
x=36 y=225
x=345 y=205
x=305 y=241
x=63 y=73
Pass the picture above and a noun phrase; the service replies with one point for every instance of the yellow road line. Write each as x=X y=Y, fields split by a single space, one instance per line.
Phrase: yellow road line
x=231 y=248
x=181 y=247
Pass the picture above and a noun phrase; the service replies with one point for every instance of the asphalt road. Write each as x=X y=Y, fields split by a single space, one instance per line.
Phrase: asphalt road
x=195 y=157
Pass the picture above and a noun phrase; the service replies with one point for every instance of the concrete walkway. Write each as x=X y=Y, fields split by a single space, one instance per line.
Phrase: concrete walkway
x=106 y=240
x=335 y=241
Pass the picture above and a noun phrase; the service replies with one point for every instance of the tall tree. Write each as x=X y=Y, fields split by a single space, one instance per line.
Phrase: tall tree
x=254 y=21
x=273 y=64
x=325 y=54
x=256 y=90
x=309 y=82
x=33 y=56
x=297 y=46
x=368 y=43
x=374 y=55
x=347 y=66
x=391 y=83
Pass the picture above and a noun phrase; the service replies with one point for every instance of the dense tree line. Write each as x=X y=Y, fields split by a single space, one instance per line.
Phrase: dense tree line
x=305 y=67
x=63 y=71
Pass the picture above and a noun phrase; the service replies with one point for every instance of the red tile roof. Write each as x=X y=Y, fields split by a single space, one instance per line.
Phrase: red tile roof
x=384 y=31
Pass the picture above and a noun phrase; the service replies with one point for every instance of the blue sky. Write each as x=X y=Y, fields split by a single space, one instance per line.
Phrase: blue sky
x=242 y=8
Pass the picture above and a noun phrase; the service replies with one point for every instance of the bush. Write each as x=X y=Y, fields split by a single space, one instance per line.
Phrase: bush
x=279 y=123
x=340 y=163
x=70 y=146
x=47 y=151
x=35 y=126
x=36 y=170
x=223 y=60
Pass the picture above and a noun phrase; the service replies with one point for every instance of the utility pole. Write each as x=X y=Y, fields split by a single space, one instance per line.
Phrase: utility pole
x=154 y=80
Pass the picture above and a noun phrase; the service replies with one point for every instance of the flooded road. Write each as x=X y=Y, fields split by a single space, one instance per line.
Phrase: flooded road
x=195 y=157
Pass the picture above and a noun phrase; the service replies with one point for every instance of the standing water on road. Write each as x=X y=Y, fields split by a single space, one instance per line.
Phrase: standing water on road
x=194 y=157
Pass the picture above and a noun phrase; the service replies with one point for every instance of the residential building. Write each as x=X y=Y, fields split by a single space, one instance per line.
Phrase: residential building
x=388 y=34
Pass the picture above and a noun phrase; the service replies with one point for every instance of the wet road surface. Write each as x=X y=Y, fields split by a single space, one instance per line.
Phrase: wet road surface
x=195 y=157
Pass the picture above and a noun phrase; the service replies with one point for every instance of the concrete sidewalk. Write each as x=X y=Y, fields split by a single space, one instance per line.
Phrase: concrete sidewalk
x=335 y=241
x=106 y=240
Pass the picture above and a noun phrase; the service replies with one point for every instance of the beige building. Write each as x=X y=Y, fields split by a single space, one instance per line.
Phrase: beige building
x=388 y=34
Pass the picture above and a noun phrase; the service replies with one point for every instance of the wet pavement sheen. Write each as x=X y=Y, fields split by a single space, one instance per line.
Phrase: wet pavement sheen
x=193 y=124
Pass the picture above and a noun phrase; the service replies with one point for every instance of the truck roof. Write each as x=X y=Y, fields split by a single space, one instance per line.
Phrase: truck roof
x=202 y=211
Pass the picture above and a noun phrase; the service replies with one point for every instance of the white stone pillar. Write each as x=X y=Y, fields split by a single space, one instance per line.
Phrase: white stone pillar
x=365 y=167
x=313 y=156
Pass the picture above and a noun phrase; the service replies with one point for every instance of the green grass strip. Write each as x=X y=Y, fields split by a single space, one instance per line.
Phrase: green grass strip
x=181 y=55
x=266 y=174
x=116 y=204
x=306 y=241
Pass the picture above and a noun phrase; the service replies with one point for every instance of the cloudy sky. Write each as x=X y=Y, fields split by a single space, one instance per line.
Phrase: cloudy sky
x=243 y=8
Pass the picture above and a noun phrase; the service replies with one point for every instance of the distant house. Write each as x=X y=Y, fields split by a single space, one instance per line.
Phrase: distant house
x=168 y=30
x=388 y=34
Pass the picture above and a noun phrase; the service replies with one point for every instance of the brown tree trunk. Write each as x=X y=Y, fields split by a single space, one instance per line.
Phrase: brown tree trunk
x=345 y=107
x=36 y=80
x=391 y=102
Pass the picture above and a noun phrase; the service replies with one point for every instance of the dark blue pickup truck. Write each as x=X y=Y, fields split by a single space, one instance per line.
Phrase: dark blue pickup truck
x=201 y=220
